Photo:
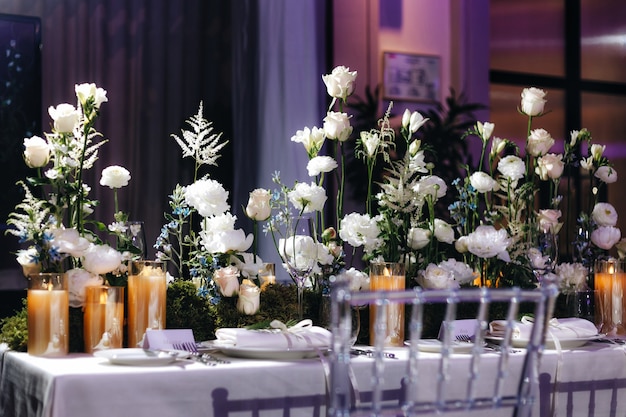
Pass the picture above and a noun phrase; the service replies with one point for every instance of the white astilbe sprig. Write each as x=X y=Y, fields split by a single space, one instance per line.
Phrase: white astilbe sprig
x=29 y=218
x=200 y=143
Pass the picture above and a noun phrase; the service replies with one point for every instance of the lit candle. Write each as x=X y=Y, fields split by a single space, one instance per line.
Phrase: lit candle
x=48 y=313
x=104 y=315
x=388 y=277
x=267 y=275
x=147 y=287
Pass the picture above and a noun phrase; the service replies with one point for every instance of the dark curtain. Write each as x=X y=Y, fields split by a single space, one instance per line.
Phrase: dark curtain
x=157 y=59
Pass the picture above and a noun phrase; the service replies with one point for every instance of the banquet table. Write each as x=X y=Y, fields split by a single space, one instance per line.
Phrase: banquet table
x=589 y=380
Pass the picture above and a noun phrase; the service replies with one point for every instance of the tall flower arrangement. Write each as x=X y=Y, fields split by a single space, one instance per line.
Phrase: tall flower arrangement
x=53 y=221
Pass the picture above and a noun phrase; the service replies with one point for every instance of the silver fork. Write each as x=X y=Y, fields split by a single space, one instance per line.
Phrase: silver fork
x=192 y=349
x=463 y=338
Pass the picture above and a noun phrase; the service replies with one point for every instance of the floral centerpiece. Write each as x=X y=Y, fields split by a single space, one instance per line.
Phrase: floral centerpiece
x=54 y=222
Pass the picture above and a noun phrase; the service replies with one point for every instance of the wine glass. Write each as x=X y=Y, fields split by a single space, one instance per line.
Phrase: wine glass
x=137 y=237
x=542 y=253
x=299 y=252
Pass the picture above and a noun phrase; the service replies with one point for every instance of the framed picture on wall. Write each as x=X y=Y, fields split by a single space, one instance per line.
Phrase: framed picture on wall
x=411 y=77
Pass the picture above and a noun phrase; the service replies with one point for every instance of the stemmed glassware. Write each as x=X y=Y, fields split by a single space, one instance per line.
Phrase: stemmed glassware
x=137 y=237
x=542 y=252
x=299 y=252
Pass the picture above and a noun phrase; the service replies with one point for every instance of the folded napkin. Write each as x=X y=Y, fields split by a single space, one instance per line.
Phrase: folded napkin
x=561 y=329
x=301 y=336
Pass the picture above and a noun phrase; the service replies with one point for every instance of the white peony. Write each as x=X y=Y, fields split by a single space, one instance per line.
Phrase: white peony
x=77 y=280
x=207 y=196
x=307 y=197
x=431 y=185
x=487 y=242
x=115 y=176
x=436 y=277
x=462 y=272
x=320 y=164
x=101 y=259
x=360 y=230
x=70 y=241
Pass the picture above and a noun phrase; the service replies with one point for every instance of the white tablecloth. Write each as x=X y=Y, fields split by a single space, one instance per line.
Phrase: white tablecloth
x=81 y=385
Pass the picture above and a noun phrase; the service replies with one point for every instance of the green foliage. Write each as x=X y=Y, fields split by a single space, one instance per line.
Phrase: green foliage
x=14 y=330
x=188 y=310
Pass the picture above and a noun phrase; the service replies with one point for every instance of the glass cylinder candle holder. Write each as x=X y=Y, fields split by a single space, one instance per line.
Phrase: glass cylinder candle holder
x=104 y=318
x=48 y=314
x=387 y=276
x=147 y=289
x=267 y=275
x=609 y=282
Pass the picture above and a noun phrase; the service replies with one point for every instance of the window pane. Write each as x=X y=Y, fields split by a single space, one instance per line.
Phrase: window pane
x=527 y=36
x=603 y=116
x=603 y=43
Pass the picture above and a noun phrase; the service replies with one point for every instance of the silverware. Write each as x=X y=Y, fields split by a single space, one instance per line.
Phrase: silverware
x=370 y=353
x=192 y=350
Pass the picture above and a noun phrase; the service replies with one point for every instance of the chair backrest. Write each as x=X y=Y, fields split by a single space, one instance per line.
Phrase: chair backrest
x=512 y=375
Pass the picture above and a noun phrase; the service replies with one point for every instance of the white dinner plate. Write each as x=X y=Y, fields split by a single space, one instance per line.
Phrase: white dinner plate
x=263 y=352
x=435 y=346
x=136 y=357
x=565 y=343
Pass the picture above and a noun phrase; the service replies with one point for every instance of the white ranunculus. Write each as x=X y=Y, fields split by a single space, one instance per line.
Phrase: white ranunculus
x=550 y=166
x=77 y=280
x=115 y=176
x=311 y=139
x=307 y=197
x=36 y=152
x=485 y=130
x=443 y=231
x=258 y=207
x=101 y=259
x=512 y=167
x=462 y=272
x=461 y=244
x=533 y=101
x=29 y=261
x=70 y=241
x=360 y=230
x=340 y=82
x=207 y=196
x=249 y=300
x=606 y=174
x=436 y=278
x=320 y=164
x=418 y=238
x=227 y=280
x=65 y=117
x=539 y=142
x=604 y=214
x=337 y=126
x=573 y=276
x=431 y=185
x=358 y=281
x=370 y=142
x=483 y=183
x=486 y=242
x=85 y=91
x=549 y=220
x=605 y=237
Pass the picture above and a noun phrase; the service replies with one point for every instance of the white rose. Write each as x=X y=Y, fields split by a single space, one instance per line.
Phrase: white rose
x=77 y=280
x=604 y=214
x=258 y=207
x=435 y=277
x=36 y=152
x=249 y=300
x=549 y=220
x=65 y=117
x=431 y=185
x=320 y=164
x=483 y=183
x=512 y=167
x=311 y=139
x=550 y=166
x=115 y=176
x=539 y=142
x=207 y=196
x=340 y=82
x=418 y=238
x=360 y=230
x=606 y=174
x=443 y=231
x=337 y=126
x=29 y=260
x=101 y=259
x=487 y=242
x=605 y=237
x=227 y=280
x=307 y=197
x=533 y=101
